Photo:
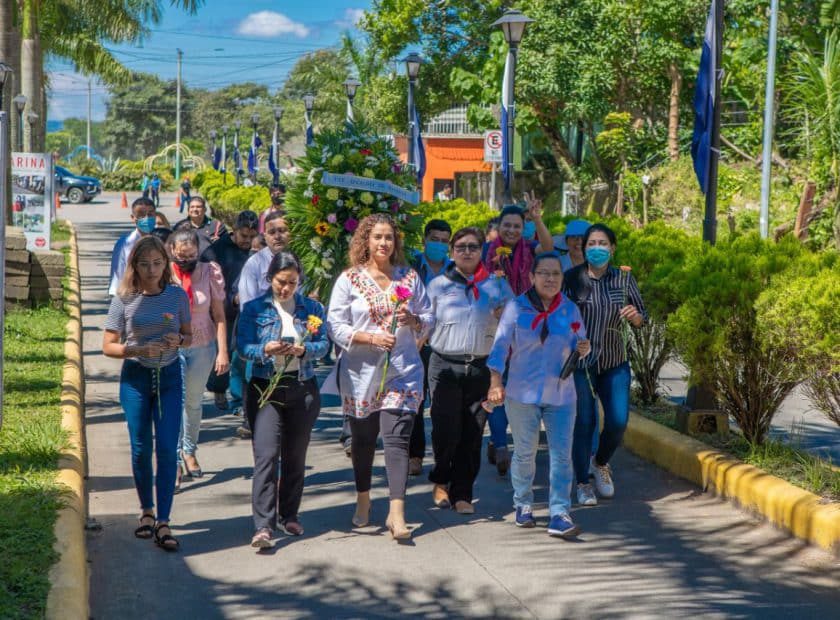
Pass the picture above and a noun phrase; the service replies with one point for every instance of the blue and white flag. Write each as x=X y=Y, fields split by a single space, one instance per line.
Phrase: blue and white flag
x=217 y=157
x=253 y=163
x=272 y=156
x=310 y=132
x=419 y=150
x=705 y=99
x=506 y=146
x=223 y=158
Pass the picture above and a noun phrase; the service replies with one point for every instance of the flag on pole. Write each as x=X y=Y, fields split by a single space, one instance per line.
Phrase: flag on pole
x=237 y=156
x=705 y=99
x=217 y=155
x=253 y=163
x=310 y=133
x=272 y=155
x=506 y=146
x=419 y=150
x=223 y=157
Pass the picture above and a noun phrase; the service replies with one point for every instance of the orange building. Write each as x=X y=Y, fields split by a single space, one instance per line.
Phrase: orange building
x=451 y=147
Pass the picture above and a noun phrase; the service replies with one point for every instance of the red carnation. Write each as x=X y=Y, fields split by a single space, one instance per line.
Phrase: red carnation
x=365 y=152
x=315 y=199
x=575 y=326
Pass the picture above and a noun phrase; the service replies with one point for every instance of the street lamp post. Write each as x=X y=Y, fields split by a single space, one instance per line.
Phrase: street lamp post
x=213 y=135
x=274 y=160
x=237 y=125
x=351 y=84
x=223 y=165
x=513 y=24
x=308 y=106
x=412 y=69
x=20 y=104
x=5 y=72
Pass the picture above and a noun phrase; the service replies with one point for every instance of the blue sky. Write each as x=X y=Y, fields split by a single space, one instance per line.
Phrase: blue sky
x=225 y=42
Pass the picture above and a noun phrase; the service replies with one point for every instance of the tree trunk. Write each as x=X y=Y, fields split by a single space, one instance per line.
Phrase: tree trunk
x=9 y=49
x=674 y=112
x=560 y=149
x=32 y=72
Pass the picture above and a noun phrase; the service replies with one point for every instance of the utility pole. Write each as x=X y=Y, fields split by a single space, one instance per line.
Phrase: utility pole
x=769 y=108
x=178 y=120
x=90 y=106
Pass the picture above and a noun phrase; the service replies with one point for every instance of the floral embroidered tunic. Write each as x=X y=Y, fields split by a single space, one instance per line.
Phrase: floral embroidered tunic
x=358 y=304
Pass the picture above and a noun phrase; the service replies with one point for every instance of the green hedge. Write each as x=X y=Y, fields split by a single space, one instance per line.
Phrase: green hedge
x=226 y=199
x=129 y=175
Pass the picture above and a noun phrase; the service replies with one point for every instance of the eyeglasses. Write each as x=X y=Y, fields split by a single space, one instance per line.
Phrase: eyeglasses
x=466 y=247
x=553 y=275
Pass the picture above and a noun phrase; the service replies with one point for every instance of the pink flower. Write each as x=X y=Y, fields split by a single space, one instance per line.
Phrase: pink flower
x=397 y=168
x=351 y=224
x=331 y=218
x=403 y=293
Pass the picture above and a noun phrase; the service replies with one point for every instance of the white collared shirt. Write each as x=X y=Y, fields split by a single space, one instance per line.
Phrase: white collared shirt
x=119 y=259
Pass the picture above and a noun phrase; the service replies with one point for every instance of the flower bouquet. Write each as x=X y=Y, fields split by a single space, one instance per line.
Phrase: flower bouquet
x=502 y=260
x=400 y=296
x=323 y=218
x=305 y=331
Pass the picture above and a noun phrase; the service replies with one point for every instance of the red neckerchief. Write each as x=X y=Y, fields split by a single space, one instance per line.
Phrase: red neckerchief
x=186 y=281
x=471 y=282
x=542 y=316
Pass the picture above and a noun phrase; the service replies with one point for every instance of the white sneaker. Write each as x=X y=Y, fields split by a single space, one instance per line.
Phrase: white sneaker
x=603 y=481
x=586 y=495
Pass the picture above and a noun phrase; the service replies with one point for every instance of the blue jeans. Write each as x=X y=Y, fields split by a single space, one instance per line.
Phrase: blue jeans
x=139 y=400
x=612 y=387
x=197 y=363
x=237 y=380
x=525 y=426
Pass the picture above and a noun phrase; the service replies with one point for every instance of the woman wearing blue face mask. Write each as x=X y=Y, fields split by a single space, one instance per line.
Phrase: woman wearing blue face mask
x=609 y=300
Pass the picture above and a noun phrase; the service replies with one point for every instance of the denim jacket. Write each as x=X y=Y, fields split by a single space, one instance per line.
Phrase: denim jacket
x=259 y=324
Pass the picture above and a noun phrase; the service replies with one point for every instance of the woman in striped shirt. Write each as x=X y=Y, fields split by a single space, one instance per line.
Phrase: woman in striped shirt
x=610 y=303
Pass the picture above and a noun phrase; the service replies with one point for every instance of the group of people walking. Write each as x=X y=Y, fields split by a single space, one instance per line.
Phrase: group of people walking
x=525 y=331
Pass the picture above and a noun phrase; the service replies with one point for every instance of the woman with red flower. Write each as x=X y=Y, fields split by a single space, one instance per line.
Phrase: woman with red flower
x=537 y=333
x=379 y=374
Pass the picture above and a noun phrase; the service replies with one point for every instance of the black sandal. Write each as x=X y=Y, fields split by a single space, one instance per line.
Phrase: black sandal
x=165 y=541
x=145 y=531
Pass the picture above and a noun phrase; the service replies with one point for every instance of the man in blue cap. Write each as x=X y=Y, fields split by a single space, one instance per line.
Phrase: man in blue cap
x=570 y=244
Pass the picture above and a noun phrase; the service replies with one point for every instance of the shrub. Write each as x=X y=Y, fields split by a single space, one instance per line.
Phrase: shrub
x=799 y=317
x=459 y=213
x=715 y=329
x=225 y=198
x=128 y=176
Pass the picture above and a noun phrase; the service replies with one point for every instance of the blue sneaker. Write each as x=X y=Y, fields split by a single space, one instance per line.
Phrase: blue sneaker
x=524 y=517
x=561 y=525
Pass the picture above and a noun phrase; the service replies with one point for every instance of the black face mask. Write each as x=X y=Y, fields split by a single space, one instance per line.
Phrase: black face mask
x=277 y=200
x=186 y=265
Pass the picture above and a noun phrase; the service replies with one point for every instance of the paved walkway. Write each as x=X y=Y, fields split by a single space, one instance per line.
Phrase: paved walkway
x=661 y=548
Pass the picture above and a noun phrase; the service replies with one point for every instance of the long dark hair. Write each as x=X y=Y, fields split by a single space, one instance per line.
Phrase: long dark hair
x=360 y=243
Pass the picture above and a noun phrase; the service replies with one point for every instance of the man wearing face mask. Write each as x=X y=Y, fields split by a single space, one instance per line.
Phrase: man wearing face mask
x=277 y=192
x=429 y=263
x=143 y=216
x=231 y=252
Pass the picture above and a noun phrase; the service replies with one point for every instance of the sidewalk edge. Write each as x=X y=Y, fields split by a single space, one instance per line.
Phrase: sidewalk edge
x=69 y=576
x=803 y=514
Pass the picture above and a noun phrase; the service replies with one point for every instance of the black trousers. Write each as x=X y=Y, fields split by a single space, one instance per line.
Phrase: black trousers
x=458 y=419
x=218 y=384
x=417 y=445
x=282 y=427
x=395 y=427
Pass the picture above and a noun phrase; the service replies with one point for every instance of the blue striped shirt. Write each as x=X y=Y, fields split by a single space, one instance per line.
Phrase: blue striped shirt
x=141 y=319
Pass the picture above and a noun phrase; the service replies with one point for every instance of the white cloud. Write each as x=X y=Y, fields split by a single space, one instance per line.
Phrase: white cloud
x=67 y=96
x=270 y=24
x=351 y=18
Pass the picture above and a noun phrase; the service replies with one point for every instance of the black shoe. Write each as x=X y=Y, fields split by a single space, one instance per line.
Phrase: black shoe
x=491 y=453
x=502 y=461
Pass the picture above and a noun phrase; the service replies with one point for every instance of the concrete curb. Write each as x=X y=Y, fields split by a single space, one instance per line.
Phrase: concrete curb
x=803 y=514
x=68 y=596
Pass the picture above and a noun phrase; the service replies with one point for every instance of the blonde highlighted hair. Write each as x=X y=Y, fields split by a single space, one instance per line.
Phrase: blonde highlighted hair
x=130 y=284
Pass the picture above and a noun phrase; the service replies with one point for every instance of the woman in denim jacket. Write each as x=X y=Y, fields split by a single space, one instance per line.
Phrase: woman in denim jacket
x=282 y=333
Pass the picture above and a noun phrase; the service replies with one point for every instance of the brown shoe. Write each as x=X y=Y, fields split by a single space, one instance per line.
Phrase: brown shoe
x=464 y=508
x=292 y=527
x=415 y=466
x=440 y=496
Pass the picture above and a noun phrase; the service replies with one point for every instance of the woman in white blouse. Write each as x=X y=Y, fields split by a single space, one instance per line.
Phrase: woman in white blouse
x=362 y=308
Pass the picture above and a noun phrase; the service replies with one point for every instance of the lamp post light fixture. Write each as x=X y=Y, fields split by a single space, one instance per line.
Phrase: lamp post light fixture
x=513 y=25
x=278 y=114
x=223 y=165
x=412 y=70
x=351 y=85
x=5 y=71
x=20 y=104
x=308 y=106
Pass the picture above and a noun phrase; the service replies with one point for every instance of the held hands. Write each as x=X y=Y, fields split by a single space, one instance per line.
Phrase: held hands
x=496 y=394
x=583 y=347
x=632 y=315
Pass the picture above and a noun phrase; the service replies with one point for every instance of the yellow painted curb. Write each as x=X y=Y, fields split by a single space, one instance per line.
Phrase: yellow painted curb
x=68 y=596
x=803 y=514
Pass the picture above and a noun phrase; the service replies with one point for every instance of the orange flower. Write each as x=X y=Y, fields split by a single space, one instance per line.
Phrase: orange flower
x=625 y=268
x=322 y=228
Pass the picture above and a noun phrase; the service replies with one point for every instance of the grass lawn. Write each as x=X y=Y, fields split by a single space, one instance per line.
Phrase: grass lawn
x=30 y=441
x=785 y=460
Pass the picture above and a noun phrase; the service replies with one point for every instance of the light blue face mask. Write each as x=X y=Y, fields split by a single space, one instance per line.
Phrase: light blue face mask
x=146 y=224
x=597 y=257
x=436 y=251
x=529 y=230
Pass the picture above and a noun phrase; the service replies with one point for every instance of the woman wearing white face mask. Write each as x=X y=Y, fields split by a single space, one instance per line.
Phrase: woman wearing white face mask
x=609 y=301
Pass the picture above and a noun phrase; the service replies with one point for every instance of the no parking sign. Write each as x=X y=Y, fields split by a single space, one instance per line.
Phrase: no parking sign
x=493 y=146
